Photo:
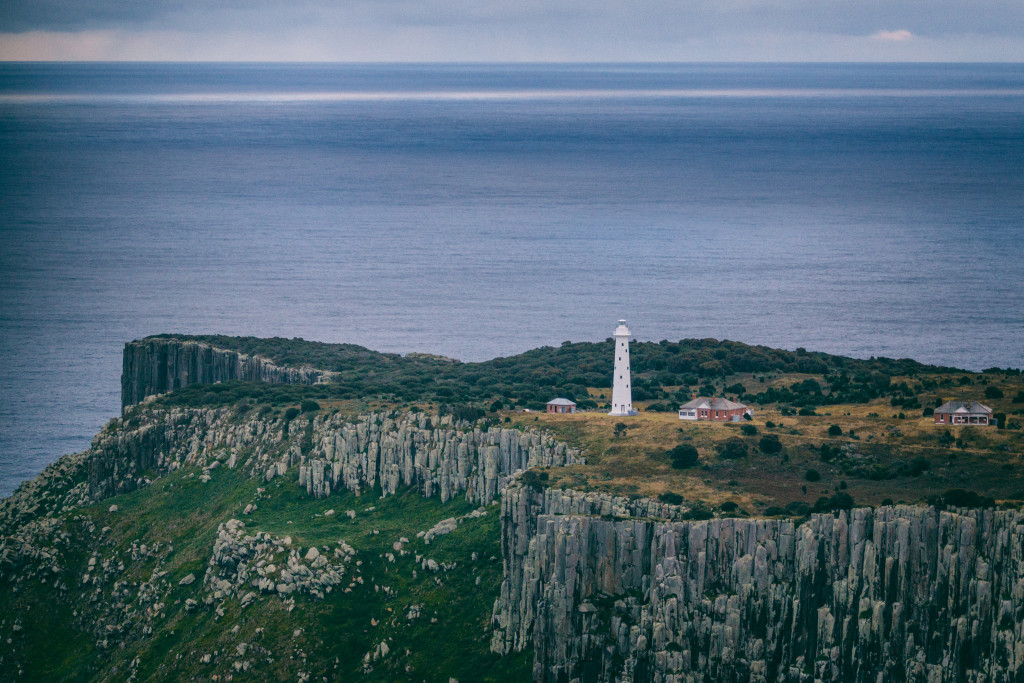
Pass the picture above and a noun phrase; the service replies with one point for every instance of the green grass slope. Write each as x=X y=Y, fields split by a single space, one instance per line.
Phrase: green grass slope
x=132 y=621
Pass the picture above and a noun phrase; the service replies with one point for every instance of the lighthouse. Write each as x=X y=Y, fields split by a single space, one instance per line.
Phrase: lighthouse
x=622 y=396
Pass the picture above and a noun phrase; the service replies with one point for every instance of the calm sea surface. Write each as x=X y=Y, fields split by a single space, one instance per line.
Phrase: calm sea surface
x=477 y=211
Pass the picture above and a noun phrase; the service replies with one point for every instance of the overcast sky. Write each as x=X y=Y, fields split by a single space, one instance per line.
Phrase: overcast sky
x=523 y=30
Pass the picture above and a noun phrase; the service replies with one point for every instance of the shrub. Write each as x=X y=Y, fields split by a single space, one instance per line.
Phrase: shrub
x=1019 y=398
x=670 y=498
x=993 y=392
x=807 y=410
x=962 y=499
x=769 y=425
x=839 y=501
x=698 y=512
x=533 y=480
x=749 y=430
x=310 y=406
x=828 y=453
x=835 y=430
x=291 y=414
x=496 y=406
x=928 y=412
x=770 y=444
x=684 y=456
x=733 y=448
x=812 y=475
x=620 y=429
x=775 y=511
x=748 y=417
x=917 y=466
x=660 y=408
x=1000 y=420
x=728 y=506
x=798 y=507
x=946 y=439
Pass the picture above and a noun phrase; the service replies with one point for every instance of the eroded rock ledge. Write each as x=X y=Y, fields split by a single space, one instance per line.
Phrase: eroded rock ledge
x=156 y=365
x=896 y=593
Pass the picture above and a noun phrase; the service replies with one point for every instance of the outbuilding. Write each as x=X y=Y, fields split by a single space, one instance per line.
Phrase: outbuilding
x=963 y=413
x=561 y=405
x=715 y=409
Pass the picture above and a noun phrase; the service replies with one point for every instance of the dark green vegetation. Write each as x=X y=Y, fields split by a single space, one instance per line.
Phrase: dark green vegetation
x=661 y=371
x=171 y=527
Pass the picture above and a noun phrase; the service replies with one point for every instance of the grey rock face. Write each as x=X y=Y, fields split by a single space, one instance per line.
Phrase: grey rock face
x=409 y=450
x=389 y=450
x=896 y=593
x=157 y=365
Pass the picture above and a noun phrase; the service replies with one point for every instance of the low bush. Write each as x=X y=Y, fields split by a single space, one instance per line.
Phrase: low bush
x=798 y=508
x=670 y=498
x=698 y=512
x=812 y=475
x=770 y=444
x=749 y=430
x=961 y=498
x=684 y=456
x=835 y=430
x=839 y=501
x=733 y=448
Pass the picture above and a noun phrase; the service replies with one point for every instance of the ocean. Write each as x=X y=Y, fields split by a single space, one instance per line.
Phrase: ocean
x=478 y=210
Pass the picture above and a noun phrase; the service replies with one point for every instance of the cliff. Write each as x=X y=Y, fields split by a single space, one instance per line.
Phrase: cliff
x=896 y=593
x=156 y=365
x=597 y=587
x=384 y=451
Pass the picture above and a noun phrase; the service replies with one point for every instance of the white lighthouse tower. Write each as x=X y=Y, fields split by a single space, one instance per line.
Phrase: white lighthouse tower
x=622 y=395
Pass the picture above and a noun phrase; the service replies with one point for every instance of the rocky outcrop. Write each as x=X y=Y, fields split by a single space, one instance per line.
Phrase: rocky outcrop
x=156 y=365
x=896 y=593
x=246 y=565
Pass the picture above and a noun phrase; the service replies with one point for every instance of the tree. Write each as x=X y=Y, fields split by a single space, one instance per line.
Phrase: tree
x=748 y=430
x=835 y=430
x=684 y=456
x=812 y=475
x=770 y=444
x=309 y=406
x=993 y=392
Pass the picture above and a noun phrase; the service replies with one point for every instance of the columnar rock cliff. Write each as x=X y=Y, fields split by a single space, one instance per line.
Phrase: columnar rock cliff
x=898 y=593
x=385 y=450
x=407 y=450
x=158 y=364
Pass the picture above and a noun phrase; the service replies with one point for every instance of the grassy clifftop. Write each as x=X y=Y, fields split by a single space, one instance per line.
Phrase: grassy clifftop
x=666 y=371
